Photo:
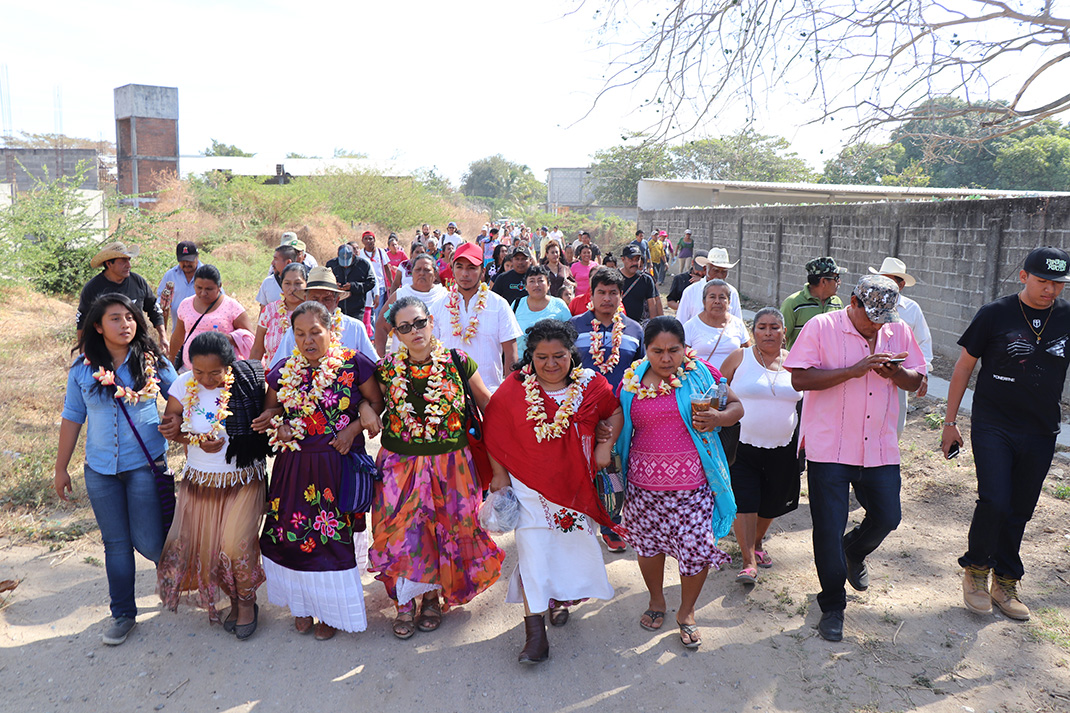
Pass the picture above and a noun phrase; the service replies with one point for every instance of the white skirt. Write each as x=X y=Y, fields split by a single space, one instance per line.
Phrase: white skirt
x=335 y=598
x=558 y=555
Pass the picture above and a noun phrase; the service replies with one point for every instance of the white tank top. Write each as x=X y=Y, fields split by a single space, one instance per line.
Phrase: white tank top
x=769 y=415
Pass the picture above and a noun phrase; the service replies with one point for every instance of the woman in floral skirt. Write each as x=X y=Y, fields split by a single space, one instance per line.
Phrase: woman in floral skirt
x=427 y=536
x=319 y=402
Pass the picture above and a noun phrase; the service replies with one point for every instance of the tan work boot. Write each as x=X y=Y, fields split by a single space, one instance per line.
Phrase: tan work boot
x=975 y=590
x=1005 y=596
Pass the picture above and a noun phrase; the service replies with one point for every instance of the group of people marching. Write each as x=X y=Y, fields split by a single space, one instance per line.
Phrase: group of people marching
x=664 y=434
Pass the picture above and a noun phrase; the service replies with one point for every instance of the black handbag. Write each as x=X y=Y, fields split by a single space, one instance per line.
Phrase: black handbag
x=358 y=479
x=730 y=441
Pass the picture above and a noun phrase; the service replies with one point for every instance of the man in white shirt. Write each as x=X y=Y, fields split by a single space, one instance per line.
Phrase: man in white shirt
x=717 y=266
x=452 y=237
x=423 y=287
x=557 y=235
x=910 y=314
x=470 y=303
x=178 y=282
x=323 y=288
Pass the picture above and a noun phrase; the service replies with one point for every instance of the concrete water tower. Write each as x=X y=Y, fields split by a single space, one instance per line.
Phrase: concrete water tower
x=146 y=140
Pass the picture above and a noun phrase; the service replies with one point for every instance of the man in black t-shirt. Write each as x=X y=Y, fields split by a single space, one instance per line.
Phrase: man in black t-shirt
x=639 y=294
x=117 y=277
x=680 y=282
x=512 y=284
x=1021 y=342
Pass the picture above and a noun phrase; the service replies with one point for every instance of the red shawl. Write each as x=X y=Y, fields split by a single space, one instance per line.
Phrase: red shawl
x=560 y=469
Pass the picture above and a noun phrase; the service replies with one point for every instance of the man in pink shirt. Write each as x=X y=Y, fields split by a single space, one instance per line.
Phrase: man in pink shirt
x=851 y=362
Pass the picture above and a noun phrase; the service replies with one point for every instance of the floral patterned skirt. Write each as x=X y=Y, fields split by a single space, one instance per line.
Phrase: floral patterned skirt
x=426 y=529
x=674 y=523
x=212 y=551
x=559 y=558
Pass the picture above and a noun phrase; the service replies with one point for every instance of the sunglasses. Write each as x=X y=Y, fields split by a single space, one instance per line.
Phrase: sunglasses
x=416 y=324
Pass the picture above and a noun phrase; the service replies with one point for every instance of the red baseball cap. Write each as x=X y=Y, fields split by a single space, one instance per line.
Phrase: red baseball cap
x=470 y=252
x=366 y=233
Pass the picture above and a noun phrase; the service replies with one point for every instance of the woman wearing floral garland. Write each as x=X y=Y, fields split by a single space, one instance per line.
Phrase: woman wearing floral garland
x=540 y=432
x=275 y=319
x=318 y=403
x=213 y=548
x=120 y=361
x=679 y=497
x=427 y=535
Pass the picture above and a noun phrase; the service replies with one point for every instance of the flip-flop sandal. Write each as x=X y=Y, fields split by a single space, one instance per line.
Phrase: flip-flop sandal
x=656 y=617
x=747 y=575
x=691 y=631
x=430 y=615
x=763 y=559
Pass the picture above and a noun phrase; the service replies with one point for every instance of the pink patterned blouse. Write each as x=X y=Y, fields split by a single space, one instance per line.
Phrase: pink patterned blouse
x=663 y=456
x=276 y=326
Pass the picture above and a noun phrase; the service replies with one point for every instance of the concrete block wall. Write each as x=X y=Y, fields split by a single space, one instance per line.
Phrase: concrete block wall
x=964 y=253
x=53 y=163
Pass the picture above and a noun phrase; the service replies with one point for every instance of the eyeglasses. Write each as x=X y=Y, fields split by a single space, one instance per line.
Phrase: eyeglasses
x=416 y=324
x=835 y=279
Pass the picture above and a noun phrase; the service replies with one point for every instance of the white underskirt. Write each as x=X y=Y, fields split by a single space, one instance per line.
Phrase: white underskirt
x=335 y=598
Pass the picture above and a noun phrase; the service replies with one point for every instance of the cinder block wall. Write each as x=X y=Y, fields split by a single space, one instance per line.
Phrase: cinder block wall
x=42 y=163
x=964 y=253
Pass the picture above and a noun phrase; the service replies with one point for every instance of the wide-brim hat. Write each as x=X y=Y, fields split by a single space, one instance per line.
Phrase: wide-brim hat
x=718 y=257
x=894 y=266
x=113 y=251
x=322 y=278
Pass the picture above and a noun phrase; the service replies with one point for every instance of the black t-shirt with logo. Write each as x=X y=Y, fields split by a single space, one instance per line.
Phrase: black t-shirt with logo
x=511 y=285
x=637 y=290
x=1021 y=378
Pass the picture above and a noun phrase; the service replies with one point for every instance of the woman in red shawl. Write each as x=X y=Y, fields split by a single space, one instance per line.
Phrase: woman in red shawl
x=540 y=432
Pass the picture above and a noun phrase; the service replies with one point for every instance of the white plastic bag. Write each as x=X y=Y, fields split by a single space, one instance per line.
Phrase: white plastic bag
x=500 y=511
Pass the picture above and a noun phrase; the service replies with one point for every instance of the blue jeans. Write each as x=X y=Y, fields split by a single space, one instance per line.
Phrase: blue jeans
x=1011 y=467
x=127 y=508
x=877 y=490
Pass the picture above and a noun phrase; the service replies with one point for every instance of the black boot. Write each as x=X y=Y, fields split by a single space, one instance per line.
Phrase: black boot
x=537 y=647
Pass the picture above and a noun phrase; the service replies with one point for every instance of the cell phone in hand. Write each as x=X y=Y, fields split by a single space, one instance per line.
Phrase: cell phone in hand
x=953 y=451
x=896 y=360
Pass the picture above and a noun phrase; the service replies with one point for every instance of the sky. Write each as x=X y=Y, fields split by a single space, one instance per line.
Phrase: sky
x=412 y=84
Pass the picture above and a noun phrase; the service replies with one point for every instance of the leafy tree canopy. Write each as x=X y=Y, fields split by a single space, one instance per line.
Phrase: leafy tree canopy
x=221 y=149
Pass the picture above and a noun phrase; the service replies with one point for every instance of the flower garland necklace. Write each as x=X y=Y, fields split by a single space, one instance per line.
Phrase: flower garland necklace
x=303 y=403
x=189 y=402
x=616 y=336
x=284 y=317
x=536 y=412
x=633 y=384
x=148 y=392
x=453 y=304
x=437 y=406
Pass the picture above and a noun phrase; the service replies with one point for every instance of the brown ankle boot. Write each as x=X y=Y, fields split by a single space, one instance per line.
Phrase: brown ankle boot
x=537 y=647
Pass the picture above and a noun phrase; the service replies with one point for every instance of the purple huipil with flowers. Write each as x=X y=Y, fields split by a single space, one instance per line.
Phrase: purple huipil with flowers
x=305 y=530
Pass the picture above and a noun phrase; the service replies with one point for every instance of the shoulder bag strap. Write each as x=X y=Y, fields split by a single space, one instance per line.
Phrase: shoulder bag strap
x=194 y=328
x=152 y=463
x=476 y=425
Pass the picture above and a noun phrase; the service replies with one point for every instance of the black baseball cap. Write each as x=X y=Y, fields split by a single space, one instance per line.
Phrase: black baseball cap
x=186 y=250
x=631 y=250
x=522 y=251
x=1048 y=264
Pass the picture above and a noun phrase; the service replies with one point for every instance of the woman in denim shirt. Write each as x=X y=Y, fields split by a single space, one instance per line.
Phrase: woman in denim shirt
x=120 y=359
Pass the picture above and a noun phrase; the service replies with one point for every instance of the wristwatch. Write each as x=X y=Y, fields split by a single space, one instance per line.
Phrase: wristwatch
x=950 y=423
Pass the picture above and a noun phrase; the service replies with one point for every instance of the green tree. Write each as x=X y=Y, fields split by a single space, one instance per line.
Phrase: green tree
x=348 y=153
x=863 y=164
x=1038 y=163
x=912 y=175
x=746 y=156
x=220 y=149
x=433 y=181
x=497 y=178
x=945 y=139
x=50 y=231
x=615 y=172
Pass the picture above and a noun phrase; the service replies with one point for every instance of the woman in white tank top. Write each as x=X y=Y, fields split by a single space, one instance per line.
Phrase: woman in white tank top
x=765 y=475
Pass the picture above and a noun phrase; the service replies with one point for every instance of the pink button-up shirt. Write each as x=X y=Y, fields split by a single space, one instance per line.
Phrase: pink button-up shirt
x=853 y=423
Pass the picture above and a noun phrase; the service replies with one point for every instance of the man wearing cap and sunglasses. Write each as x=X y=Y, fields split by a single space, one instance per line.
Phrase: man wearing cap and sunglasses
x=717 y=266
x=452 y=236
x=1021 y=342
x=818 y=296
x=322 y=287
x=117 y=277
x=910 y=314
x=850 y=362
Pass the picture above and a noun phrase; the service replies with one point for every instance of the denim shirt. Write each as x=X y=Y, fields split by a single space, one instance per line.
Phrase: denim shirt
x=110 y=445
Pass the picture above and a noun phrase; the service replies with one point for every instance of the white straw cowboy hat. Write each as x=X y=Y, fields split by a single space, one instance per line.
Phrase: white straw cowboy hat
x=895 y=267
x=718 y=258
x=113 y=251
x=322 y=278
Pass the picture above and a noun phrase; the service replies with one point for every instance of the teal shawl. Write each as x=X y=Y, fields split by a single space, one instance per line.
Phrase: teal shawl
x=708 y=445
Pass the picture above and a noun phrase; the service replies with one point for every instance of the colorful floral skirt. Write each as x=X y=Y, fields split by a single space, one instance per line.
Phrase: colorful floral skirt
x=674 y=523
x=426 y=529
x=212 y=551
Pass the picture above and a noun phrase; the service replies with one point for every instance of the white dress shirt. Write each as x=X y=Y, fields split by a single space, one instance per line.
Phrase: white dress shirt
x=691 y=302
x=354 y=336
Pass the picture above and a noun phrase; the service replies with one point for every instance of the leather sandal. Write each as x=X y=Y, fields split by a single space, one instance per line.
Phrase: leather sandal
x=430 y=615
x=405 y=624
x=559 y=616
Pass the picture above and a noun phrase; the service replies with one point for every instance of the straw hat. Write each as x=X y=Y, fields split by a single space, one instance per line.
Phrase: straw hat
x=896 y=267
x=321 y=278
x=113 y=251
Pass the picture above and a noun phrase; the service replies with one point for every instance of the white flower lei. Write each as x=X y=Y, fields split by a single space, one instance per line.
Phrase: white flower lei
x=437 y=407
x=453 y=304
x=545 y=431
x=632 y=384
x=149 y=391
x=616 y=337
x=303 y=403
x=189 y=401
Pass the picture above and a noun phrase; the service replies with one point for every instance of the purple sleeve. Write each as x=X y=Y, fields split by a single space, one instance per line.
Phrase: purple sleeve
x=272 y=377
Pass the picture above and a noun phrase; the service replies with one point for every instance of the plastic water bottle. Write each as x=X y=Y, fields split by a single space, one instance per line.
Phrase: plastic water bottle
x=722 y=398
